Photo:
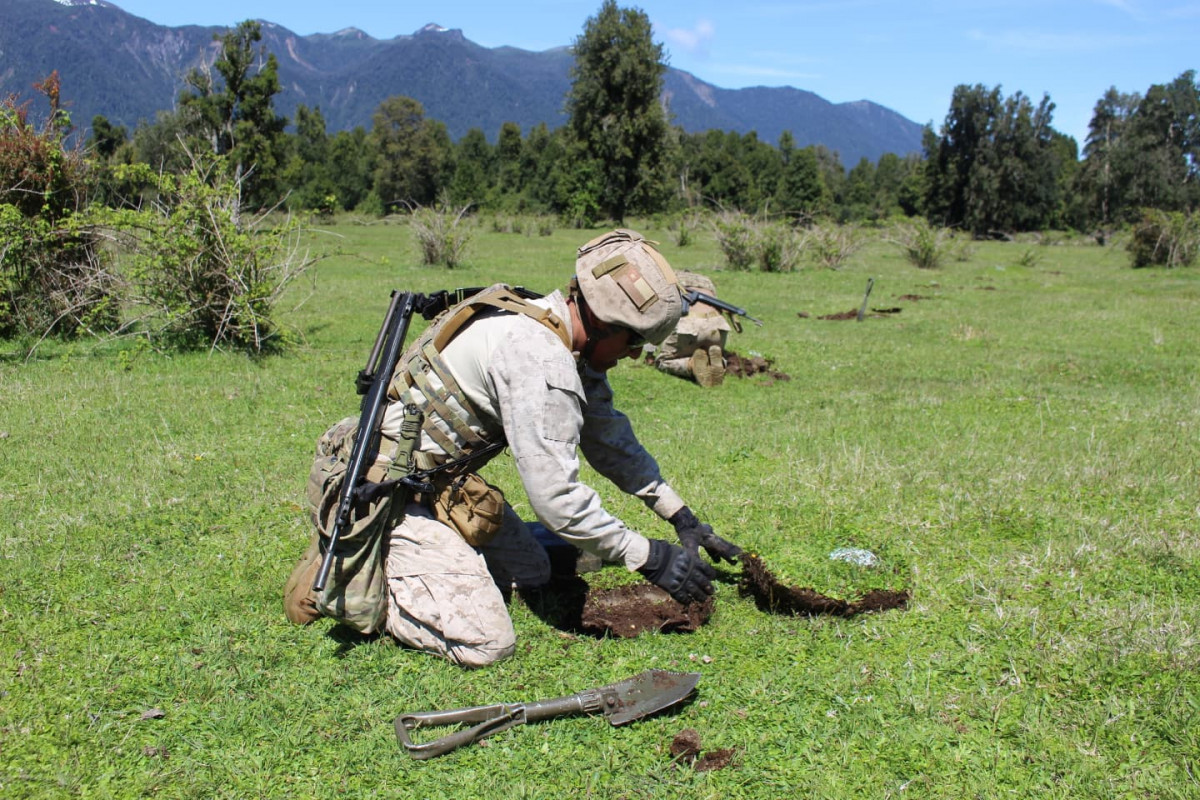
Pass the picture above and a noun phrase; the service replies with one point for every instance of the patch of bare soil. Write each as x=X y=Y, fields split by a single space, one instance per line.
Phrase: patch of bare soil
x=746 y=366
x=914 y=297
x=771 y=595
x=627 y=611
x=685 y=749
x=853 y=314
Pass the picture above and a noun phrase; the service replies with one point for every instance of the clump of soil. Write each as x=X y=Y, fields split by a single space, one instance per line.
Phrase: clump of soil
x=685 y=749
x=627 y=611
x=853 y=314
x=771 y=595
x=746 y=366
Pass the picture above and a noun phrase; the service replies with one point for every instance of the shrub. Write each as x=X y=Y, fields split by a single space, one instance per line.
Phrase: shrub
x=779 y=247
x=53 y=276
x=924 y=245
x=831 y=244
x=1164 y=238
x=442 y=234
x=737 y=237
x=201 y=275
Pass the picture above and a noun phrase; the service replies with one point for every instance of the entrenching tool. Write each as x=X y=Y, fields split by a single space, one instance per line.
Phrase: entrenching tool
x=629 y=700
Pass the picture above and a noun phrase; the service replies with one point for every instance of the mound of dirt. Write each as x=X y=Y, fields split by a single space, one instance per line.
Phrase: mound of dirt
x=746 y=366
x=771 y=595
x=627 y=611
x=685 y=749
x=877 y=313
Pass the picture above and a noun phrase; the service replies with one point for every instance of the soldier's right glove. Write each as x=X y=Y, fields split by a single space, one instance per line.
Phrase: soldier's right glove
x=681 y=572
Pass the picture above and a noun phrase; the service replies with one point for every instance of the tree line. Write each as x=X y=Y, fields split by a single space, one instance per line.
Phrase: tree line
x=995 y=164
x=185 y=194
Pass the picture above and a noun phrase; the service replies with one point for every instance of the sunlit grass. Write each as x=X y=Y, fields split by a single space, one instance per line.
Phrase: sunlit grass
x=1019 y=446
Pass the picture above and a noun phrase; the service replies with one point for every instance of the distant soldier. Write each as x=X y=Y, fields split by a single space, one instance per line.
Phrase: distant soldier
x=696 y=348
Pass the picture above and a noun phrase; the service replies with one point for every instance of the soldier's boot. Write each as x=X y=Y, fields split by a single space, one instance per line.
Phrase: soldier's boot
x=708 y=366
x=299 y=599
x=716 y=365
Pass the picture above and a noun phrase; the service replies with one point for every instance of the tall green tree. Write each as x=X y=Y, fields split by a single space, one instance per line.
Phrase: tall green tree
x=414 y=154
x=617 y=123
x=1103 y=174
x=236 y=114
x=473 y=168
x=307 y=174
x=352 y=166
x=994 y=167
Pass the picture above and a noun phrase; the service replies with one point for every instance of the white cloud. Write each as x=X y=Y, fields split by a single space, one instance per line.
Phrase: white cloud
x=1048 y=42
x=694 y=41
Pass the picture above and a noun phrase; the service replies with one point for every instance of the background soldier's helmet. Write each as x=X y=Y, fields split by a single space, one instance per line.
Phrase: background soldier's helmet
x=627 y=282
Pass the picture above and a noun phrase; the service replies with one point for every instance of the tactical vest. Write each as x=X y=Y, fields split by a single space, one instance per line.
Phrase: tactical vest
x=435 y=392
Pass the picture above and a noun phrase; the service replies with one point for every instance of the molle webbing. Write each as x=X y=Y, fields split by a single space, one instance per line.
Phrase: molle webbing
x=424 y=369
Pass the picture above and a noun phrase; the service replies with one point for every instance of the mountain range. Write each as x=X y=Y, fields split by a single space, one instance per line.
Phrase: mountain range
x=128 y=68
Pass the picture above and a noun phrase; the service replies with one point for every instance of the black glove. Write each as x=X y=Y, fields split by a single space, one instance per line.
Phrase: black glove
x=680 y=572
x=693 y=534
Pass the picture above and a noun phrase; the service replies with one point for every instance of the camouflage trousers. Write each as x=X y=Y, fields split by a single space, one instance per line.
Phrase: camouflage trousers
x=448 y=598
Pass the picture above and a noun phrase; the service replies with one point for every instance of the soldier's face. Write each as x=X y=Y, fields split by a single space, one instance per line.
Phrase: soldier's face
x=612 y=345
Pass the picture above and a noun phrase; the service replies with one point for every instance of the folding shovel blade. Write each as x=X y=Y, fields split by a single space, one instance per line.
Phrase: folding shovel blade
x=646 y=694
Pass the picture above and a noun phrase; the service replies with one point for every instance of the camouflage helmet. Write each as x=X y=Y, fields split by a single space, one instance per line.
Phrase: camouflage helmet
x=627 y=282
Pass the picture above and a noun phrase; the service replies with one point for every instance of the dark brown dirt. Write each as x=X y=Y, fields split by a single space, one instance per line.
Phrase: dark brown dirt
x=877 y=313
x=685 y=749
x=851 y=314
x=627 y=611
x=914 y=297
x=770 y=595
x=746 y=366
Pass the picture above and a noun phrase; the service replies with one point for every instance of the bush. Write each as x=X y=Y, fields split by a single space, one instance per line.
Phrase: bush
x=779 y=247
x=442 y=234
x=737 y=237
x=53 y=277
x=831 y=244
x=1164 y=238
x=924 y=245
x=200 y=275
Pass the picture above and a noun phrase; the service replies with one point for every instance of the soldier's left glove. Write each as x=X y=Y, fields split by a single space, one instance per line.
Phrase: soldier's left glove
x=694 y=534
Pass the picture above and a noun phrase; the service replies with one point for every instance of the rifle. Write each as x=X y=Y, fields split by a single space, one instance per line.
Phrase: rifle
x=693 y=296
x=372 y=382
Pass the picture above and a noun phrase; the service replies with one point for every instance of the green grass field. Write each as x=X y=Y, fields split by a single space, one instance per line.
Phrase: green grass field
x=1020 y=446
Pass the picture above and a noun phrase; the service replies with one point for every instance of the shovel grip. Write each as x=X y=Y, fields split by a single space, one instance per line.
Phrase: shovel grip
x=504 y=718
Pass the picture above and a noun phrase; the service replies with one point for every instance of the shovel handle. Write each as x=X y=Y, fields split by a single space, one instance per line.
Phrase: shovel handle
x=492 y=719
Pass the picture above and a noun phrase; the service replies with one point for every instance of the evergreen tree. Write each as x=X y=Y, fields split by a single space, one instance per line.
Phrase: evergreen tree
x=308 y=169
x=351 y=166
x=473 y=159
x=801 y=193
x=414 y=154
x=236 y=115
x=994 y=167
x=618 y=126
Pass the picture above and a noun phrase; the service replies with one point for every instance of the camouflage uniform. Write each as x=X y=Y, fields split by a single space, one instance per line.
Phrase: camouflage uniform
x=444 y=595
x=695 y=349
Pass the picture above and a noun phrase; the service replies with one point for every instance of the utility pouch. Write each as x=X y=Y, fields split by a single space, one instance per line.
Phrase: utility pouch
x=471 y=506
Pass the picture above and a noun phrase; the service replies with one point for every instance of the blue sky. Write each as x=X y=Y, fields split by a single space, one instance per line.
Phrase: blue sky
x=907 y=56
